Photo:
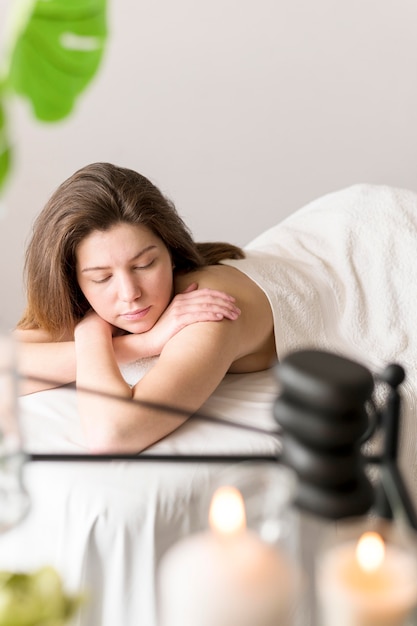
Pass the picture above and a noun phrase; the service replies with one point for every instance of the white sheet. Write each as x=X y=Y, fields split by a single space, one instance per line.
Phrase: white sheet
x=105 y=526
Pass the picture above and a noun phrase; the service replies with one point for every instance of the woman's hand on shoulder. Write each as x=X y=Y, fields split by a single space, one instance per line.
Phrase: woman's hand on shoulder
x=191 y=306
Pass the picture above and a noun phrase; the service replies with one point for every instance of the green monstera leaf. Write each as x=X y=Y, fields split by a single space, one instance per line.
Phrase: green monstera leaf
x=5 y=149
x=54 y=51
x=57 y=54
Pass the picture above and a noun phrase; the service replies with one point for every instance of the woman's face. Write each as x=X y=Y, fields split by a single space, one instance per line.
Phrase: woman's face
x=126 y=275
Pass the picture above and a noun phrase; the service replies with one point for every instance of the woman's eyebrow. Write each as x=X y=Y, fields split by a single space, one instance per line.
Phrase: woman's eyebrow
x=106 y=267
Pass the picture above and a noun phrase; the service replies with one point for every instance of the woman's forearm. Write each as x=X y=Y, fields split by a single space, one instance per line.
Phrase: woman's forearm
x=44 y=365
x=97 y=366
x=98 y=371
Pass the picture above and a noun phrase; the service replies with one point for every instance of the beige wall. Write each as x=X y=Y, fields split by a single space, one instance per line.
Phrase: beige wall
x=241 y=111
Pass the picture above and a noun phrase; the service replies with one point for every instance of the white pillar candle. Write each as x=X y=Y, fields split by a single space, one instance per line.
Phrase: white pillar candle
x=227 y=576
x=366 y=583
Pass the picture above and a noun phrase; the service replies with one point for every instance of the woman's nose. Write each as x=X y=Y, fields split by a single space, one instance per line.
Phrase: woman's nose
x=129 y=290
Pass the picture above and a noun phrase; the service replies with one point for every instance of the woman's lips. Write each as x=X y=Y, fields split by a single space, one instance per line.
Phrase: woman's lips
x=136 y=315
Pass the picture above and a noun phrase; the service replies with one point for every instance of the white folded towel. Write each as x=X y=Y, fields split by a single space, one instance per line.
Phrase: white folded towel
x=341 y=274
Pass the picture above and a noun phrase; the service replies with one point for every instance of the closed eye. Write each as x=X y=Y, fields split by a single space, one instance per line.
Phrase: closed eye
x=144 y=267
x=98 y=281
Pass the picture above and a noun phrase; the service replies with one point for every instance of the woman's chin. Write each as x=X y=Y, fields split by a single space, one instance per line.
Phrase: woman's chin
x=136 y=328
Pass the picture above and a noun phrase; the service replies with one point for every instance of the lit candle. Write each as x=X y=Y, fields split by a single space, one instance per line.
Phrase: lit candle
x=227 y=576
x=367 y=583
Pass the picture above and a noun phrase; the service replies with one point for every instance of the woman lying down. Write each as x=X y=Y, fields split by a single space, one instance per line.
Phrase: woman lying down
x=113 y=276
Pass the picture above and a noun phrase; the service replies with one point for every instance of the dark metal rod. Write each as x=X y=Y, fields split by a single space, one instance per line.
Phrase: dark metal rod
x=397 y=493
x=167 y=458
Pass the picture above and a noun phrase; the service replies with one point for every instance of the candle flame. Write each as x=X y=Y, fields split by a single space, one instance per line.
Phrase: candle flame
x=370 y=551
x=227 y=511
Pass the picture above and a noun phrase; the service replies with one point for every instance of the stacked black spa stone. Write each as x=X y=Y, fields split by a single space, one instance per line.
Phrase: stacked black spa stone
x=322 y=410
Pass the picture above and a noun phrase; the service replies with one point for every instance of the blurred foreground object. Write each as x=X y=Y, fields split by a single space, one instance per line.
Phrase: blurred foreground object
x=327 y=413
x=36 y=599
x=53 y=51
x=14 y=500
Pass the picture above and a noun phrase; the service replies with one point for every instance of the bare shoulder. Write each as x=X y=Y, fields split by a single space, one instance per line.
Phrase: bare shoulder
x=223 y=277
x=256 y=323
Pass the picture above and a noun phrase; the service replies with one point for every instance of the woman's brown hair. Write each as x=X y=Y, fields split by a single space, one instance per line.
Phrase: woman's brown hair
x=97 y=197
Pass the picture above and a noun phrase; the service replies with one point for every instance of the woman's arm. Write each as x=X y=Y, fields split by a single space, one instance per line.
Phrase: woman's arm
x=191 y=365
x=45 y=364
x=188 y=307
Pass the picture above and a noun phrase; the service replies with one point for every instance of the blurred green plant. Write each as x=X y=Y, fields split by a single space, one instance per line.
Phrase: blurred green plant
x=36 y=599
x=53 y=51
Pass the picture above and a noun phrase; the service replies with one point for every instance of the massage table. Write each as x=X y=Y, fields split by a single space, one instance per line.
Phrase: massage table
x=340 y=275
